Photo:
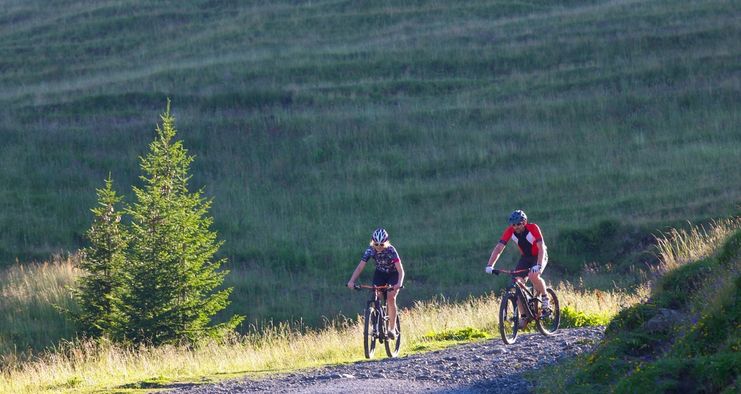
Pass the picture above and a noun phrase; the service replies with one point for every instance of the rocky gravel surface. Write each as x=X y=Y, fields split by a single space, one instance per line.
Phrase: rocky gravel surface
x=482 y=367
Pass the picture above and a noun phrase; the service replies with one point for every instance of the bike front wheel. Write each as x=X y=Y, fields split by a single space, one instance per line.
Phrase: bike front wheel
x=393 y=345
x=550 y=318
x=508 y=318
x=370 y=317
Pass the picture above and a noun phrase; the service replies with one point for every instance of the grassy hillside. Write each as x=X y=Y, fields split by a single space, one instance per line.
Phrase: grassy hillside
x=685 y=339
x=698 y=281
x=314 y=122
x=84 y=366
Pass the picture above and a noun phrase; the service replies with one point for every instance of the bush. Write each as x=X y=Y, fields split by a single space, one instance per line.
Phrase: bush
x=731 y=249
x=604 y=242
x=712 y=374
x=571 y=318
x=462 y=334
x=675 y=289
x=631 y=318
x=717 y=329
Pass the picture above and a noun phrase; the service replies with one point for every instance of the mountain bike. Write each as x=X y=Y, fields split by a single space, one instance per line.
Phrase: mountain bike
x=375 y=322
x=547 y=320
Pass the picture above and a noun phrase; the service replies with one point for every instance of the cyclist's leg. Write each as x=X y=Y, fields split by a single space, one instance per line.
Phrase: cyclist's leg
x=393 y=278
x=538 y=281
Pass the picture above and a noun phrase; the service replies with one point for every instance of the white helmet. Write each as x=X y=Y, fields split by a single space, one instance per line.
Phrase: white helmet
x=380 y=235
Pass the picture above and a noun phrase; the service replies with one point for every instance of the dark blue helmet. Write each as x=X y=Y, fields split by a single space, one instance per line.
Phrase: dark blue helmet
x=517 y=216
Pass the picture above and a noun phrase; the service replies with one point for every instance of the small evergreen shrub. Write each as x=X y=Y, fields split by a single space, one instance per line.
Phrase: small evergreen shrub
x=155 y=280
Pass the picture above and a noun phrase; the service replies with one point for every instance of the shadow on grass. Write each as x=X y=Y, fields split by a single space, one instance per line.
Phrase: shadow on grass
x=160 y=384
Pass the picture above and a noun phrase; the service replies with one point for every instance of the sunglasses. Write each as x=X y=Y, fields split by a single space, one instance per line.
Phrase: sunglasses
x=518 y=224
x=377 y=244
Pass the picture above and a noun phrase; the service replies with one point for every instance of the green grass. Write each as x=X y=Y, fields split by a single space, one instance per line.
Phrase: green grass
x=31 y=323
x=314 y=123
x=87 y=366
x=571 y=318
x=30 y=320
x=704 y=353
x=431 y=118
x=686 y=339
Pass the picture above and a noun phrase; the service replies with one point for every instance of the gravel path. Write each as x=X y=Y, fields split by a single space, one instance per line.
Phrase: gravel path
x=481 y=367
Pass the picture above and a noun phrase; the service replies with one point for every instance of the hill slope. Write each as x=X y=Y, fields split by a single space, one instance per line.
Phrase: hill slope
x=314 y=122
x=685 y=339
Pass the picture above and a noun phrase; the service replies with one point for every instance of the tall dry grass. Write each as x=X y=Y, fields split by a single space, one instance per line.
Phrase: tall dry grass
x=40 y=282
x=89 y=366
x=30 y=298
x=679 y=247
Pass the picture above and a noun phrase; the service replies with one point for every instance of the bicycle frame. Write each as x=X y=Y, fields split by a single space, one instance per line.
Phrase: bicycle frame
x=378 y=289
x=525 y=295
x=518 y=294
x=522 y=292
x=376 y=322
x=378 y=298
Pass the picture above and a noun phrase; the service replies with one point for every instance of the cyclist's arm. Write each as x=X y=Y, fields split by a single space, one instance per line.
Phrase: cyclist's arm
x=356 y=273
x=495 y=254
x=542 y=259
x=400 y=268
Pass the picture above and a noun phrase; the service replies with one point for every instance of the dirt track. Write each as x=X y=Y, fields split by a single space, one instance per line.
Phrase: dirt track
x=482 y=367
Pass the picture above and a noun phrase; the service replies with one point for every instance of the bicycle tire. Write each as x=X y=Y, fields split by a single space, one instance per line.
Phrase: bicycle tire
x=509 y=318
x=393 y=345
x=548 y=324
x=370 y=317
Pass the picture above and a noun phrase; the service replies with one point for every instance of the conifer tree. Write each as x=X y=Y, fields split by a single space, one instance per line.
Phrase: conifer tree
x=102 y=262
x=172 y=276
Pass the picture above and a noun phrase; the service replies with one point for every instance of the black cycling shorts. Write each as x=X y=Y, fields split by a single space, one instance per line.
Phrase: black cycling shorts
x=381 y=278
x=525 y=263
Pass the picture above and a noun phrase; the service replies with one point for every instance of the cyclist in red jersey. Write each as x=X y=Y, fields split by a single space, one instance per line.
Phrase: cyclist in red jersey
x=532 y=247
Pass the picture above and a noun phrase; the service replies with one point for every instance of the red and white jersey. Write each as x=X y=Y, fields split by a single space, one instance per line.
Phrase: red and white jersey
x=527 y=241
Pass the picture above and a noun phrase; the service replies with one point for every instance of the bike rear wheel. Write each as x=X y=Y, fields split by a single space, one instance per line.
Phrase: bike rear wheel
x=393 y=345
x=369 y=330
x=549 y=319
x=508 y=318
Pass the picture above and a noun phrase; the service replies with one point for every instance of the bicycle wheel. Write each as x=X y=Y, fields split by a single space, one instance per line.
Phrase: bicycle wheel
x=392 y=346
x=508 y=318
x=369 y=331
x=550 y=318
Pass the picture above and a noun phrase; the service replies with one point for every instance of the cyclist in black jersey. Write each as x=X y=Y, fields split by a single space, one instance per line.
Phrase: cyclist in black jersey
x=389 y=271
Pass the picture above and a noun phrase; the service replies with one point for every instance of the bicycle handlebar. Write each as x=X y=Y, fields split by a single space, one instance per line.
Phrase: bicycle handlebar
x=515 y=272
x=374 y=287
